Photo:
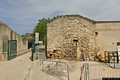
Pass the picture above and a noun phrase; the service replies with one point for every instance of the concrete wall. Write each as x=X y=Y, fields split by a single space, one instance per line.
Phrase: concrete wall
x=6 y=32
x=108 y=35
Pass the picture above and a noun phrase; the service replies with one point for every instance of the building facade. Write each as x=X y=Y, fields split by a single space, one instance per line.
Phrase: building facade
x=108 y=35
x=70 y=37
x=76 y=37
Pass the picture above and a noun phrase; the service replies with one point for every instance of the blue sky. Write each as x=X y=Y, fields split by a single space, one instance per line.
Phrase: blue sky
x=23 y=15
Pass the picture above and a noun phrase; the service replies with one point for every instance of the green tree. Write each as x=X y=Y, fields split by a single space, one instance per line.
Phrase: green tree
x=41 y=27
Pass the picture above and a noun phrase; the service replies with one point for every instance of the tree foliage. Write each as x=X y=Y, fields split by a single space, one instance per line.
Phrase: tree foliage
x=41 y=27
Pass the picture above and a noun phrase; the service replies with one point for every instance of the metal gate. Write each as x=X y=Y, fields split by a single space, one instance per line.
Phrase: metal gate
x=29 y=45
x=12 y=49
x=98 y=71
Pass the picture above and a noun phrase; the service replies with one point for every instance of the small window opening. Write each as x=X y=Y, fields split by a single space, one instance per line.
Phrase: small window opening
x=96 y=33
x=50 y=54
x=75 y=40
x=118 y=43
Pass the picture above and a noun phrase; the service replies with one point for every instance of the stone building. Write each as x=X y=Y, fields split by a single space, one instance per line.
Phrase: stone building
x=28 y=37
x=76 y=37
x=6 y=34
x=70 y=37
x=108 y=37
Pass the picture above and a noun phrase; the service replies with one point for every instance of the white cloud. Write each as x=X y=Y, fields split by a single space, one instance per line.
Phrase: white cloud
x=26 y=13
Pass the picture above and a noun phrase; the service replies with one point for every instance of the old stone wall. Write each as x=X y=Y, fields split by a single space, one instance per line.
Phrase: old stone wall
x=70 y=37
x=108 y=35
x=8 y=34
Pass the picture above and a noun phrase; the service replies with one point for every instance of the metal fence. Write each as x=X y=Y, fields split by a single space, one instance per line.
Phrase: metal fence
x=99 y=72
x=112 y=59
x=56 y=68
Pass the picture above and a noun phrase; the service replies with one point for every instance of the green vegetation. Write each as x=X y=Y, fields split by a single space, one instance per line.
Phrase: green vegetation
x=41 y=27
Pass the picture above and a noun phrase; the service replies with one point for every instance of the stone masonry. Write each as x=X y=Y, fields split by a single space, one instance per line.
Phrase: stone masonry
x=71 y=37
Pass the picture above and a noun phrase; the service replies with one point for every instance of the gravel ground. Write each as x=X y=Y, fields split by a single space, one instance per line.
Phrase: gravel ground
x=96 y=71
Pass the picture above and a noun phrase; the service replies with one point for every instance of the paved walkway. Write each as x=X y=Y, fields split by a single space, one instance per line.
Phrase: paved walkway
x=22 y=68
x=19 y=68
x=36 y=70
x=16 y=69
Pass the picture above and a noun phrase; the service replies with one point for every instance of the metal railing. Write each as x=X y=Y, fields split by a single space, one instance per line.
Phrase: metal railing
x=98 y=71
x=112 y=59
x=56 y=68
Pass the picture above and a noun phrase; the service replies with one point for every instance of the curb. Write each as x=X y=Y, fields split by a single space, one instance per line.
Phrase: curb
x=24 y=52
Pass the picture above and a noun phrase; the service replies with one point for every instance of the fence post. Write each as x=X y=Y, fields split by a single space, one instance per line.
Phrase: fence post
x=33 y=50
x=86 y=74
x=108 y=57
x=117 y=58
